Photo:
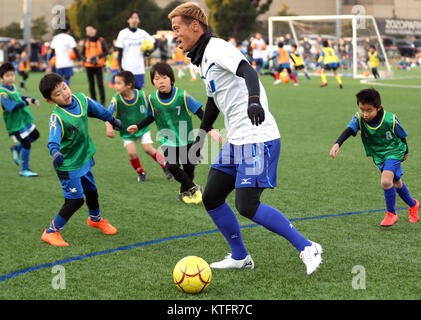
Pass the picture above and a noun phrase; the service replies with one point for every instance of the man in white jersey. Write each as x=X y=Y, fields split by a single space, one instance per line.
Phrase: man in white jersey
x=128 y=43
x=248 y=162
x=258 y=45
x=63 y=45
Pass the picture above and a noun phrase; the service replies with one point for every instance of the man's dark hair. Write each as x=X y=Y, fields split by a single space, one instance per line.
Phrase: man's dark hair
x=369 y=96
x=373 y=46
x=132 y=12
x=280 y=44
x=325 y=43
x=294 y=45
x=164 y=69
x=48 y=83
x=128 y=78
x=6 y=67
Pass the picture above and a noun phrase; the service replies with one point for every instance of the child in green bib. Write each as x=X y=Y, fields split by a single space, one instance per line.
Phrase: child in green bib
x=171 y=108
x=129 y=106
x=18 y=119
x=384 y=140
x=72 y=151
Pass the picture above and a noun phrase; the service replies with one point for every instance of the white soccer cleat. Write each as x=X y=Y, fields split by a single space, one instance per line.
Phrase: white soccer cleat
x=230 y=263
x=312 y=257
x=278 y=81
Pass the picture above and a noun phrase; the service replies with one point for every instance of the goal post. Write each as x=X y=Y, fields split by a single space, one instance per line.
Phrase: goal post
x=358 y=27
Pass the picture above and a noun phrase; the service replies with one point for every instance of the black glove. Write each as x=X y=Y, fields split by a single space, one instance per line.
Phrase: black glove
x=256 y=113
x=58 y=159
x=147 y=53
x=116 y=123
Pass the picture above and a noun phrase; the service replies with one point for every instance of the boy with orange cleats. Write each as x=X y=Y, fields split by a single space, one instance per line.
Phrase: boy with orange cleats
x=384 y=140
x=72 y=150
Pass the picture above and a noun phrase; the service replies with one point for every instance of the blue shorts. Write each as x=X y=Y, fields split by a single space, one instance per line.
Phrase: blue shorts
x=285 y=65
x=331 y=66
x=65 y=72
x=74 y=188
x=254 y=165
x=392 y=165
x=140 y=81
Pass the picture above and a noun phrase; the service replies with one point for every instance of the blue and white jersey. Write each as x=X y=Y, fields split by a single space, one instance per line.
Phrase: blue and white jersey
x=130 y=42
x=218 y=71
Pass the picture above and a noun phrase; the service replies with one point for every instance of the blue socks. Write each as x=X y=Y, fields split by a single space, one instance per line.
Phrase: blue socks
x=25 y=158
x=227 y=223
x=404 y=194
x=268 y=217
x=57 y=224
x=95 y=215
x=275 y=221
x=390 y=197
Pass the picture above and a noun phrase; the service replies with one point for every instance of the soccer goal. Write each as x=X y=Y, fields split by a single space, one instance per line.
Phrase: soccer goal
x=347 y=34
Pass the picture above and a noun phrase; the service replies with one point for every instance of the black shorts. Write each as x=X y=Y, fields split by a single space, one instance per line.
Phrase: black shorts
x=299 y=67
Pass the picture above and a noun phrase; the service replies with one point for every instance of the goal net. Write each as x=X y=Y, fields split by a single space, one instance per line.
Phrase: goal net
x=350 y=36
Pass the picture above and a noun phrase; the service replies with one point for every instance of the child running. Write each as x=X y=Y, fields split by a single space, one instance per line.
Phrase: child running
x=72 y=150
x=384 y=140
x=18 y=119
x=171 y=108
x=329 y=62
x=129 y=106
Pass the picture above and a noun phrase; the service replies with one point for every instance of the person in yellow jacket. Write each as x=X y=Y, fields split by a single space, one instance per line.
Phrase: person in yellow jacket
x=24 y=66
x=330 y=62
x=374 y=60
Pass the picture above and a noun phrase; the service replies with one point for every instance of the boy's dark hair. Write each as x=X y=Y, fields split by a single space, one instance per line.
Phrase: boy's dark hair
x=325 y=43
x=164 y=69
x=369 y=96
x=6 y=67
x=373 y=46
x=128 y=78
x=280 y=44
x=132 y=12
x=48 y=83
x=294 y=45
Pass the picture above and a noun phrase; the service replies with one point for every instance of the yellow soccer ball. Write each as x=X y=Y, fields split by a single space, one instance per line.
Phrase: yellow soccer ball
x=146 y=45
x=192 y=274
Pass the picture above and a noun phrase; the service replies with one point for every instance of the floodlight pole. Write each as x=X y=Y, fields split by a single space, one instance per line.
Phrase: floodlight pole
x=27 y=12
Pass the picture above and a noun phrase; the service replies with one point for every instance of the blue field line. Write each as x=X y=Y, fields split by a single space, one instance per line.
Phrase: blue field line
x=143 y=244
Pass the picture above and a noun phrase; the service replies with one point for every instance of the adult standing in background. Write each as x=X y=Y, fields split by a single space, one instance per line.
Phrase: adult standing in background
x=64 y=47
x=128 y=43
x=94 y=51
x=163 y=48
x=258 y=45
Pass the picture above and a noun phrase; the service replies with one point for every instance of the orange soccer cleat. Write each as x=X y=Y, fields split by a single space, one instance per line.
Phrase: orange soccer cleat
x=389 y=220
x=54 y=238
x=103 y=225
x=413 y=212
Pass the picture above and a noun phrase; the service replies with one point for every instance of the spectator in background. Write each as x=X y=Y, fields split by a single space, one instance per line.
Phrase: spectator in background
x=64 y=48
x=288 y=40
x=163 y=48
x=13 y=50
x=307 y=49
x=232 y=41
x=2 y=53
x=366 y=45
x=94 y=50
